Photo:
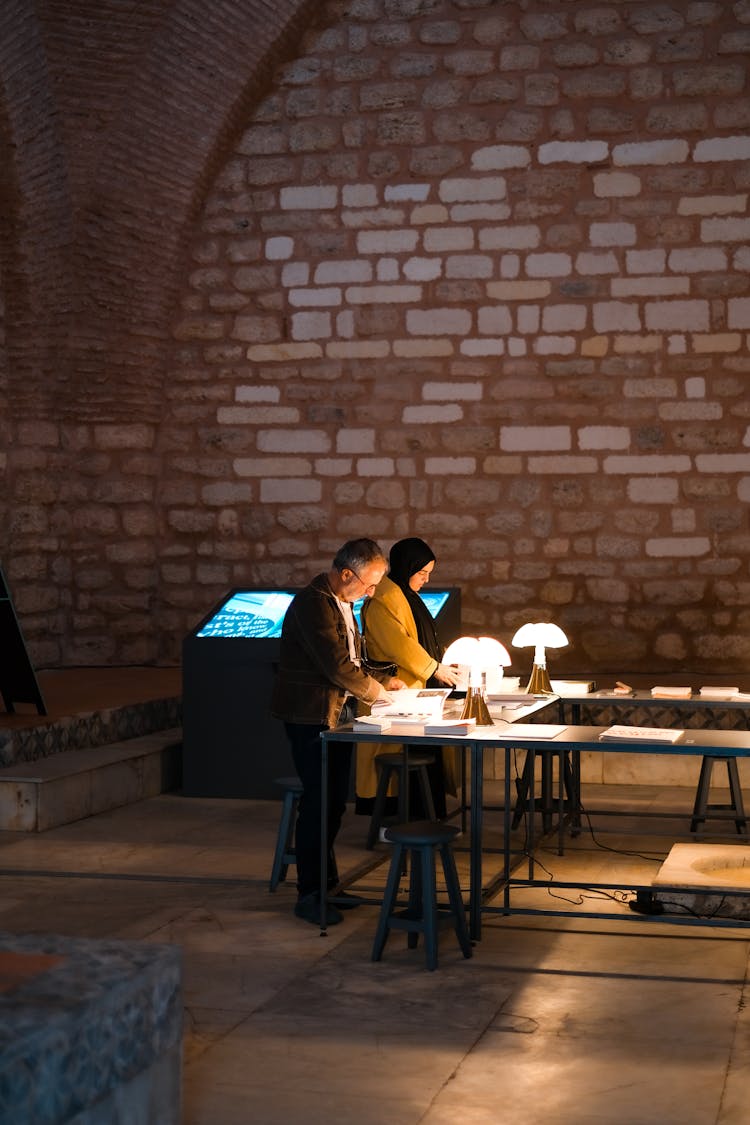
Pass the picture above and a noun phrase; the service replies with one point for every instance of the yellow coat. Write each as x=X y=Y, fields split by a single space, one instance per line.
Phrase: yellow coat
x=391 y=634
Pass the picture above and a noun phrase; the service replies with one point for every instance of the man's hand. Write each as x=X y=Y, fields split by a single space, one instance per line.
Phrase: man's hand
x=395 y=684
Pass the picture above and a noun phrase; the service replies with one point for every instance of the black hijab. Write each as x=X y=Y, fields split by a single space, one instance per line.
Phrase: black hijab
x=406 y=558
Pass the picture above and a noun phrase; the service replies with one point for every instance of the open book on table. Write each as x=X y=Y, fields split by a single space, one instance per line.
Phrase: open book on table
x=640 y=734
x=411 y=706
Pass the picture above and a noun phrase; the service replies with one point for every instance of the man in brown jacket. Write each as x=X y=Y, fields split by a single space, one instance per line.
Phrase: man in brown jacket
x=319 y=681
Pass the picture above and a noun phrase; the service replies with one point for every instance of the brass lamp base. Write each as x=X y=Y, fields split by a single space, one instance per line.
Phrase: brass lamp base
x=476 y=708
x=539 y=683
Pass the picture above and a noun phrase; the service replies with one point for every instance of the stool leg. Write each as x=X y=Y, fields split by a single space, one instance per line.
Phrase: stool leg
x=415 y=906
x=454 y=898
x=389 y=903
x=283 y=840
x=735 y=794
x=424 y=785
x=429 y=907
x=522 y=789
x=378 y=812
x=547 y=798
x=701 y=794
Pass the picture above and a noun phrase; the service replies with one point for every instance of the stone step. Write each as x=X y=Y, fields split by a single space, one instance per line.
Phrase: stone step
x=59 y=789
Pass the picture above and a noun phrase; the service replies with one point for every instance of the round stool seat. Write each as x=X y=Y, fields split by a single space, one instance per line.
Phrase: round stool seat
x=292 y=783
x=421 y=833
x=416 y=759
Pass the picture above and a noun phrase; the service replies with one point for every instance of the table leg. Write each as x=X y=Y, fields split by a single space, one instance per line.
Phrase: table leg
x=475 y=851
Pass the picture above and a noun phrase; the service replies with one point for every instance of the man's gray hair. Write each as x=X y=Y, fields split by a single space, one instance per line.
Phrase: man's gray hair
x=358 y=553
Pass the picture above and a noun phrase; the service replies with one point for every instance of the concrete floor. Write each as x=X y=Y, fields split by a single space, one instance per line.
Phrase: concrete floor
x=555 y=1020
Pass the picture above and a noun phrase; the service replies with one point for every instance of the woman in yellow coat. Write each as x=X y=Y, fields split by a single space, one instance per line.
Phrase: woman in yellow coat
x=398 y=627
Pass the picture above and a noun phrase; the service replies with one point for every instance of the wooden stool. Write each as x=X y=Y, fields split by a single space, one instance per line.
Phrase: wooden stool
x=284 y=854
x=423 y=840
x=735 y=808
x=387 y=765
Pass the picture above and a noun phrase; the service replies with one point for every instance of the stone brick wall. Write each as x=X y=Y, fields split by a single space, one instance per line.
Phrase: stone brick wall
x=479 y=272
x=470 y=270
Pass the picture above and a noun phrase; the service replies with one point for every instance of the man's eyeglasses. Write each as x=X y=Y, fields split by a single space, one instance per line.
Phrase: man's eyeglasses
x=368 y=587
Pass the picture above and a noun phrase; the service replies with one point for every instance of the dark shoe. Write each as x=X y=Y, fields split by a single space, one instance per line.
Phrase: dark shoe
x=308 y=908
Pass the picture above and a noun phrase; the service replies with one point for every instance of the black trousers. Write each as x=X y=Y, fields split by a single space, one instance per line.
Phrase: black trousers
x=307 y=754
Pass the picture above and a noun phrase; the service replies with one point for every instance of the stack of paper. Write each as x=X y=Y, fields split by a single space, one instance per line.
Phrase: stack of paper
x=671 y=692
x=640 y=734
x=373 y=723
x=720 y=692
x=451 y=726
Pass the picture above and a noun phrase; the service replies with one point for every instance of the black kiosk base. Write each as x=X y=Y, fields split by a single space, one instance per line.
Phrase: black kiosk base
x=231 y=744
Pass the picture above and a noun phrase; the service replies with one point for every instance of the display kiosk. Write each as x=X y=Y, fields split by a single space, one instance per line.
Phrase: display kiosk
x=232 y=745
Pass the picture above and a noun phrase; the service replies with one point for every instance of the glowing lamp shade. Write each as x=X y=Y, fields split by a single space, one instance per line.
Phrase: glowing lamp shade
x=485 y=658
x=542 y=635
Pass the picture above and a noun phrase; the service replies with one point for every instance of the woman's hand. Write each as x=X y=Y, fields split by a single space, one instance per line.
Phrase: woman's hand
x=446 y=674
x=395 y=684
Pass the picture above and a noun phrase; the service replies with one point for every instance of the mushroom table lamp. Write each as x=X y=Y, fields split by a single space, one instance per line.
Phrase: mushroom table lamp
x=542 y=635
x=485 y=658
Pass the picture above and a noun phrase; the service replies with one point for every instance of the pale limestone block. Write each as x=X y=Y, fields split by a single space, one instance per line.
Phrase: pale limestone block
x=527 y=319
x=645 y=261
x=712 y=204
x=722 y=148
x=423 y=269
x=554 y=345
x=697 y=259
x=650 y=286
x=256 y=329
x=220 y=493
x=437 y=239
x=509 y=238
x=494 y=320
x=603 y=437
x=468 y=266
x=293 y=441
x=690 y=411
x=271 y=466
x=722 y=462
x=123 y=435
x=676 y=548
x=650 y=387
x=432 y=415
x=358 y=349
x=387 y=241
x=380 y=217
x=646 y=490
x=437 y=321
x=517 y=439
x=295 y=273
x=572 y=152
x=590 y=263
x=387 y=270
x=695 y=387
x=413 y=349
x=548 y=265
x=249 y=415
x=612 y=234
x=333 y=466
x=741 y=259
x=388 y=494
x=725 y=230
x=401 y=193
x=355 y=440
x=495 y=157
x=430 y=213
x=253 y=394
x=564 y=318
x=466 y=190
x=310 y=326
x=315 y=298
x=595 y=346
x=345 y=324
x=635 y=345
x=738 y=312
x=519 y=290
x=375 y=467
x=616 y=316
x=655 y=464
x=616 y=185
x=359 y=195
x=665 y=151
x=290 y=491
x=199 y=328
x=470 y=347
x=349 y=271
x=562 y=466
x=440 y=392
x=670 y=316
x=406 y=467
x=716 y=342
x=450 y=466
x=317 y=197
x=743 y=490
x=683 y=520
x=677 y=345
x=479 y=212
x=383 y=294
x=505 y=466
x=279 y=249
